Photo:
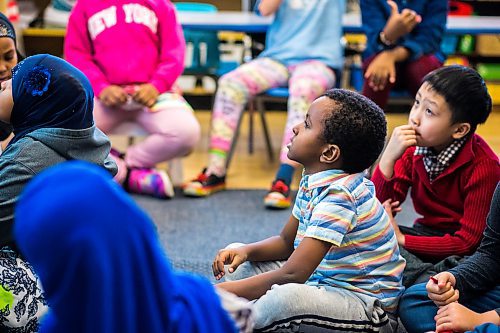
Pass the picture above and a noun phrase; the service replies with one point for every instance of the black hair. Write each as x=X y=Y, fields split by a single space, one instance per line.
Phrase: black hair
x=465 y=92
x=358 y=126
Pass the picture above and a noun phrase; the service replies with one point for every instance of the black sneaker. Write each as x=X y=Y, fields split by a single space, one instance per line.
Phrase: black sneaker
x=204 y=185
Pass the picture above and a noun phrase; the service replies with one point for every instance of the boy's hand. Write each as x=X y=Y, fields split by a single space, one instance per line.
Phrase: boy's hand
x=442 y=292
x=455 y=317
x=146 y=94
x=391 y=208
x=231 y=257
x=113 y=96
x=400 y=24
x=381 y=70
x=401 y=139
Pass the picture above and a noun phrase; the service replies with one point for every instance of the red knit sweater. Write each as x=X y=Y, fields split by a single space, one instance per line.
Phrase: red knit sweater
x=458 y=199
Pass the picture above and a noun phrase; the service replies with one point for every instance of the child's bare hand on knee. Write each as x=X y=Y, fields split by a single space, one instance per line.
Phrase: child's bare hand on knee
x=146 y=94
x=442 y=292
x=113 y=96
x=455 y=317
x=231 y=257
x=381 y=71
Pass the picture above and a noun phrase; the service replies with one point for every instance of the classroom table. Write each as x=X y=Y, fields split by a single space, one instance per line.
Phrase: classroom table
x=251 y=22
x=351 y=22
x=51 y=38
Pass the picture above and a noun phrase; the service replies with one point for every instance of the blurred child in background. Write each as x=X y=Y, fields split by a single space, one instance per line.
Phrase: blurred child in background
x=403 y=44
x=303 y=51
x=9 y=57
x=133 y=52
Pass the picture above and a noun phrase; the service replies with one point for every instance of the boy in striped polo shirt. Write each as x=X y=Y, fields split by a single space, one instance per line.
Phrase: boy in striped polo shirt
x=336 y=263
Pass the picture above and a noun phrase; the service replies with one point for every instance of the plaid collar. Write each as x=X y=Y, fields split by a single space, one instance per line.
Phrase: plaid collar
x=436 y=163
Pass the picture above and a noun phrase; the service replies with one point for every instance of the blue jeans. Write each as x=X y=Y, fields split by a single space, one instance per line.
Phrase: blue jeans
x=487 y=328
x=417 y=311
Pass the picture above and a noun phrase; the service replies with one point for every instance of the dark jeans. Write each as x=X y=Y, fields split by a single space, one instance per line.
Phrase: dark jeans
x=417 y=311
x=419 y=270
x=409 y=75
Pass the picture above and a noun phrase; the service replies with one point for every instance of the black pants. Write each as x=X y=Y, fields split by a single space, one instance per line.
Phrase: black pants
x=419 y=270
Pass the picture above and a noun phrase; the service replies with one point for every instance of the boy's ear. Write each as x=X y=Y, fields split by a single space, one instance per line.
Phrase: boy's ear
x=330 y=154
x=461 y=130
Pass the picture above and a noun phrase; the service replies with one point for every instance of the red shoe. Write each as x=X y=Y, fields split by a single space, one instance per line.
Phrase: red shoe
x=204 y=185
x=278 y=196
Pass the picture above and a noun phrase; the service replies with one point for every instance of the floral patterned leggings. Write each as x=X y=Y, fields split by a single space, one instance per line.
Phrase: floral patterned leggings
x=306 y=81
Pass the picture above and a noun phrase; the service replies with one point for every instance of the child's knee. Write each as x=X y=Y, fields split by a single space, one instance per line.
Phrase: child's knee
x=285 y=296
x=280 y=304
x=184 y=137
x=234 y=245
x=414 y=293
x=243 y=271
x=233 y=86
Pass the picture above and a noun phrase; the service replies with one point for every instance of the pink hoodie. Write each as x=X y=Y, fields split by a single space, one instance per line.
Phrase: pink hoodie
x=124 y=42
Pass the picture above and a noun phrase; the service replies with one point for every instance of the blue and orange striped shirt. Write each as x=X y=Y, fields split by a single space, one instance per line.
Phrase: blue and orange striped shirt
x=342 y=209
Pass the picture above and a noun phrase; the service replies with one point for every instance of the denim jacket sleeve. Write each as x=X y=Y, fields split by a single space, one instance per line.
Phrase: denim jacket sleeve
x=424 y=39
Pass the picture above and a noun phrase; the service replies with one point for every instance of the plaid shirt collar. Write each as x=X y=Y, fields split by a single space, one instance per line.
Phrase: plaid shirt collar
x=436 y=163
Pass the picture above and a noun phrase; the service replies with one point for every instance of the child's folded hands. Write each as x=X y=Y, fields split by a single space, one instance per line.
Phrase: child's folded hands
x=440 y=289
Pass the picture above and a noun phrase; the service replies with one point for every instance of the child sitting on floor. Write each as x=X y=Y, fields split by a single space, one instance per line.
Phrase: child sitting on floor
x=102 y=266
x=452 y=172
x=336 y=263
x=49 y=104
x=475 y=284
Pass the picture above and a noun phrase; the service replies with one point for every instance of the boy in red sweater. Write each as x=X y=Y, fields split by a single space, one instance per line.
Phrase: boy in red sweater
x=451 y=172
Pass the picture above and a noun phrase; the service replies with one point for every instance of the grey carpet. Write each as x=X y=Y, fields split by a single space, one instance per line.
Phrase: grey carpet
x=192 y=230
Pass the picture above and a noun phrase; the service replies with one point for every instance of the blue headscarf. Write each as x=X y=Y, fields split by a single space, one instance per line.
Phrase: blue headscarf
x=49 y=92
x=6 y=28
x=100 y=262
x=7 y=31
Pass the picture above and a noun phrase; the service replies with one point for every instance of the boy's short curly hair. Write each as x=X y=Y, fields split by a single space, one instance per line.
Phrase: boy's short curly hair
x=358 y=126
x=465 y=92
